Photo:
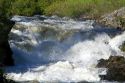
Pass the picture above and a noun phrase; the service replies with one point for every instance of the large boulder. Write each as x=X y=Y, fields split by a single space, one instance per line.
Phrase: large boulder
x=5 y=51
x=115 y=68
x=115 y=19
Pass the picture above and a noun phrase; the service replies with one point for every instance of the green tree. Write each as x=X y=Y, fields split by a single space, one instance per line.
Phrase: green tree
x=4 y=8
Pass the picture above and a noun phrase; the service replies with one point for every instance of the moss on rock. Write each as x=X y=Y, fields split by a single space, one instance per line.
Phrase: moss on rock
x=123 y=47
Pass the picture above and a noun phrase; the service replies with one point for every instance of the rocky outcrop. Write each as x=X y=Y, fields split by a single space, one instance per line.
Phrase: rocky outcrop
x=115 y=68
x=114 y=19
x=5 y=51
x=4 y=80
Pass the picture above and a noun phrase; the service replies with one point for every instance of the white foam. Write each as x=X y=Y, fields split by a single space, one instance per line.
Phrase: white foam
x=72 y=60
x=117 y=41
x=60 y=71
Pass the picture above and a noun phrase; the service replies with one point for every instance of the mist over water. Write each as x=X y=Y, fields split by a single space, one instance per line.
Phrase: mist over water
x=54 y=49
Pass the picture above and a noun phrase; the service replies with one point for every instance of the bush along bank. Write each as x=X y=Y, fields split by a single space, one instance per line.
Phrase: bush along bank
x=107 y=12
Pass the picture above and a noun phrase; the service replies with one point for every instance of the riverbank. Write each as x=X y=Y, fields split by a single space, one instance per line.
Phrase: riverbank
x=106 y=12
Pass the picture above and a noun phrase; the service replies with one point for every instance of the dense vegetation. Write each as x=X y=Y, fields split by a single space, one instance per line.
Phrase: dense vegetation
x=72 y=8
x=92 y=8
x=23 y=7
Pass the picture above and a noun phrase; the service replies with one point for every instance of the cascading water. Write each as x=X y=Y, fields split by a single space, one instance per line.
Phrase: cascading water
x=53 y=49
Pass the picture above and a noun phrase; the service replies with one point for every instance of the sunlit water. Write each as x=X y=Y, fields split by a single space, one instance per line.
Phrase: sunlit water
x=53 y=49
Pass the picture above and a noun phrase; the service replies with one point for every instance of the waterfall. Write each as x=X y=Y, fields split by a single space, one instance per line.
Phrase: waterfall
x=54 y=49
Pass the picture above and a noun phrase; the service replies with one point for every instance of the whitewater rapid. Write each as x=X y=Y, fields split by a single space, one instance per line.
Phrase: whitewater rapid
x=54 y=49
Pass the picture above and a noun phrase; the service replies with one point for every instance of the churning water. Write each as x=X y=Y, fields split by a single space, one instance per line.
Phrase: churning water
x=54 y=49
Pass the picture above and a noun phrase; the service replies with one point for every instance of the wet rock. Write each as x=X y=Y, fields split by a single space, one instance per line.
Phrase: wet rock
x=122 y=47
x=84 y=82
x=34 y=81
x=102 y=63
x=5 y=51
x=3 y=78
x=115 y=19
x=115 y=68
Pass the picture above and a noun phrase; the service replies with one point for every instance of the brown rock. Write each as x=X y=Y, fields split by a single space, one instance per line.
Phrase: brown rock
x=115 y=19
x=115 y=66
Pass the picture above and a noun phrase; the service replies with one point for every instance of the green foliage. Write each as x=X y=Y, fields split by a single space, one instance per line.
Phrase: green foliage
x=92 y=8
x=4 y=8
x=24 y=7
x=44 y=3
x=72 y=8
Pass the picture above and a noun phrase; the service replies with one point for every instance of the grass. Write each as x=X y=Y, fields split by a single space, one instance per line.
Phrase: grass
x=76 y=8
x=71 y=8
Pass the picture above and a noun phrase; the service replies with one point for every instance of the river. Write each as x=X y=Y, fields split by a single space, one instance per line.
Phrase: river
x=54 y=49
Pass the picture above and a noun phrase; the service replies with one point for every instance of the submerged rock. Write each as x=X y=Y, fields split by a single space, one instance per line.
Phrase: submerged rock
x=115 y=68
x=5 y=51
